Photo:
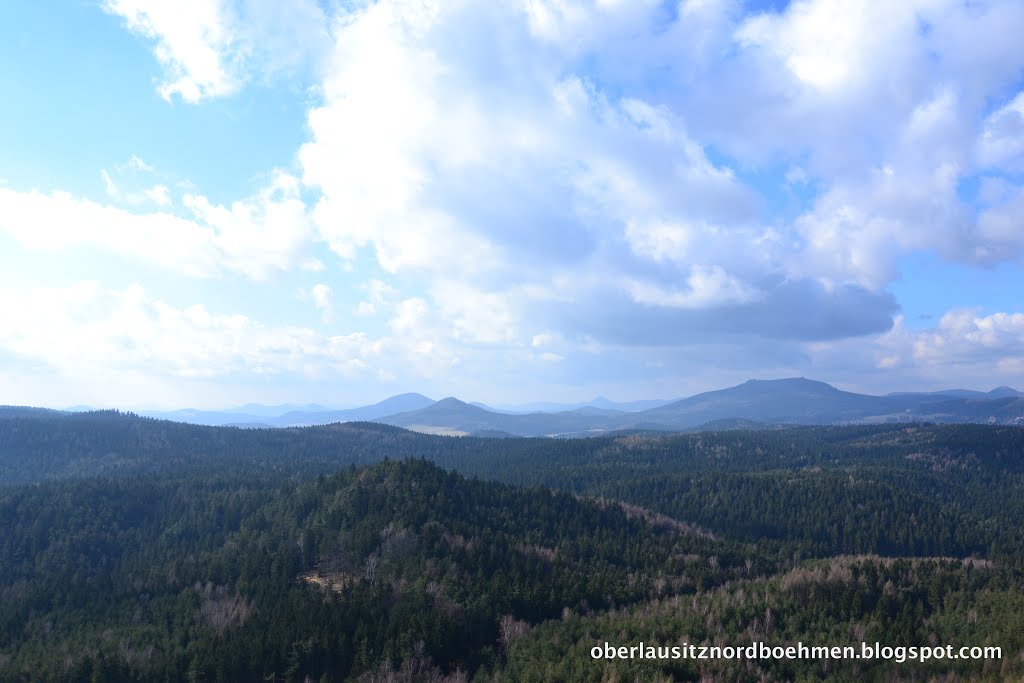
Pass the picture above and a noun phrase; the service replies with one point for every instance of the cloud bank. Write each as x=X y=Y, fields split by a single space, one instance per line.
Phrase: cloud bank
x=551 y=188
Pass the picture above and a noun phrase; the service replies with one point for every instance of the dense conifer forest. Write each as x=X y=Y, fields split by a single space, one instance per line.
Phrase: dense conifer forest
x=138 y=549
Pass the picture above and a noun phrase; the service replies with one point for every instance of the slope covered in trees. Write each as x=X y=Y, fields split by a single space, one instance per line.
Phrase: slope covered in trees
x=237 y=580
x=140 y=549
x=840 y=602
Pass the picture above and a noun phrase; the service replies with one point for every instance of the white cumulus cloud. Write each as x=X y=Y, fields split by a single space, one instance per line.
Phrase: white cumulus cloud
x=194 y=41
x=212 y=48
x=86 y=328
x=253 y=237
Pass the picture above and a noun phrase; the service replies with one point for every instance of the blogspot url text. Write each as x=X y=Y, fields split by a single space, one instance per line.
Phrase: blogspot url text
x=764 y=651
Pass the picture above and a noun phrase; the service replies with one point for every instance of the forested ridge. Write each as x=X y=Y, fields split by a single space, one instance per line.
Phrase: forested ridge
x=138 y=549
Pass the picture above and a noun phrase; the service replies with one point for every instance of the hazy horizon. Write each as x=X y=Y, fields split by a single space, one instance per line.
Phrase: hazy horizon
x=295 y=405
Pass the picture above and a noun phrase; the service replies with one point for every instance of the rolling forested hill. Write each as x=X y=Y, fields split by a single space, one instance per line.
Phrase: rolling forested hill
x=138 y=549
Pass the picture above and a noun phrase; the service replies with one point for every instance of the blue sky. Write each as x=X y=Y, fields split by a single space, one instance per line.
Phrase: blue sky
x=215 y=202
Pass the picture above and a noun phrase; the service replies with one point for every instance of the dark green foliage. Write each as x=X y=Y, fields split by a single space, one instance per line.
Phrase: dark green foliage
x=843 y=602
x=337 y=574
x=134 y=548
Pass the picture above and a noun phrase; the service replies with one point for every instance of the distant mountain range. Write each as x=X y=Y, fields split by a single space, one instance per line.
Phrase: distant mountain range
x=253 y=415
x=764 y=403
x=294 y=415
x=753 y=403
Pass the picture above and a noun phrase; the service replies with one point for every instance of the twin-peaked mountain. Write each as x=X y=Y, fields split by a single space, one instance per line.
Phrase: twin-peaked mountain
x=751 y=404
